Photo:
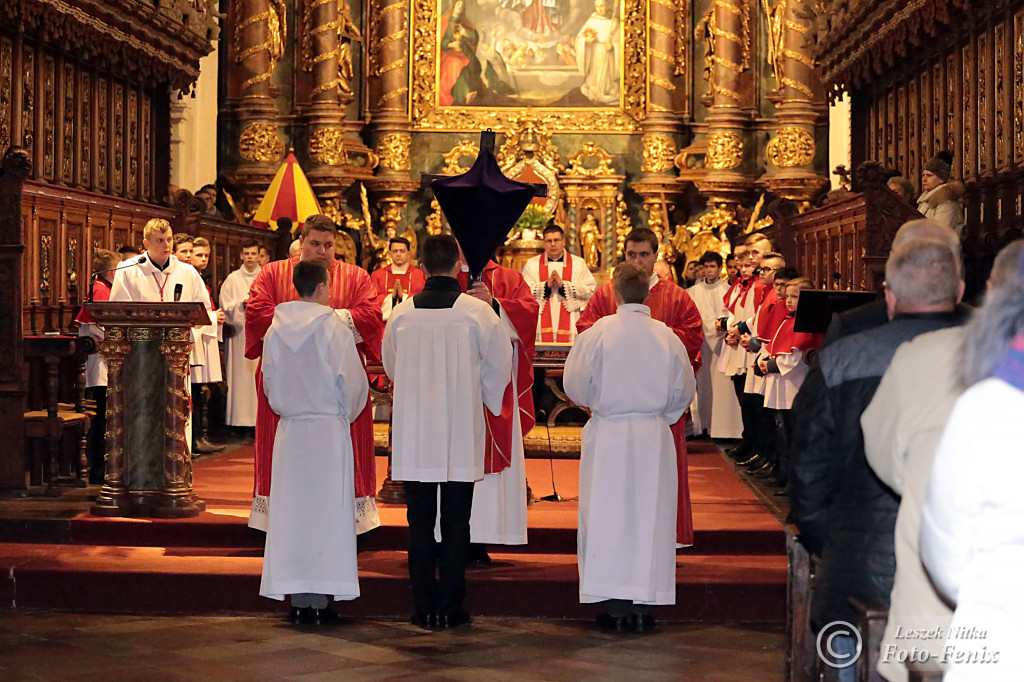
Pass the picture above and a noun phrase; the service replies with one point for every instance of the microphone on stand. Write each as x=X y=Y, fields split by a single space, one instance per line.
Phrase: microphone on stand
x=554 y=496
x=95 y=275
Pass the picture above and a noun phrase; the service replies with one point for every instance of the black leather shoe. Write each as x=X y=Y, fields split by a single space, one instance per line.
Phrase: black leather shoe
x=643 y=623
x=753 y=462
x=612 y=623
x=765 y=472
x=740 y=452
x=205 y=447
x=427 y=621
x=300 y=615
x=447 y=622
x=478 y=556
x=323 y=616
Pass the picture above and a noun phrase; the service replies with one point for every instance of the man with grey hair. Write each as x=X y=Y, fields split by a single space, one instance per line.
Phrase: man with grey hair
x=901 y=428
x=844 y=512
x=875 y=314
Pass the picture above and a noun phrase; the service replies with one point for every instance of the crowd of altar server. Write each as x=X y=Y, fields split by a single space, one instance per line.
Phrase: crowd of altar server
x=903 y=513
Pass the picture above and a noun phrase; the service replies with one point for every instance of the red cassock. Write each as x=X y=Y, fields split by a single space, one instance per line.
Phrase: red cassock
x=670 y=304
x=384 y=279
x=511 y=292
x=352 y=290
x=769 y=316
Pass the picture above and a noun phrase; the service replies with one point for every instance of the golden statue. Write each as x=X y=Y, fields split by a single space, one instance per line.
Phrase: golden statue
x=590 y=242
x=622 y=225
x=435 y=219
x=705 y=30
x=775 y=17
x=375 y=249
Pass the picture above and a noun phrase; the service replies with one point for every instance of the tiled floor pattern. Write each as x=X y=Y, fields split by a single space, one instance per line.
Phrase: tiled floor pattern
x=84 y=647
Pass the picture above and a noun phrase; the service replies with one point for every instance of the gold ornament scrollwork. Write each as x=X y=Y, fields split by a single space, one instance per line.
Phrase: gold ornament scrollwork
x=393 y=152
x=346 y=31
x=791 y=147
x=725 y=150
x=590 y=150
x=452 y=160
x=327 y=146
x=259 y=142
x=707 y=233
x=659 y=153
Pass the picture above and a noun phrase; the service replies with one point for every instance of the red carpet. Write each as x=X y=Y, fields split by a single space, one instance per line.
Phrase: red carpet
x=735 y=571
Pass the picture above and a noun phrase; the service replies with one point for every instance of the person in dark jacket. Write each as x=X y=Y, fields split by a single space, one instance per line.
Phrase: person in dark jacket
x=843 y=511
x=876 y=313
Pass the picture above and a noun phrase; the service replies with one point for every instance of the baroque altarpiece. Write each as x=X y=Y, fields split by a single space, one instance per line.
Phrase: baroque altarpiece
x=673 y=114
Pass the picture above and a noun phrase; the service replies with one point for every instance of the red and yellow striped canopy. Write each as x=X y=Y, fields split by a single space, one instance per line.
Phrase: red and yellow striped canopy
x=289 y=195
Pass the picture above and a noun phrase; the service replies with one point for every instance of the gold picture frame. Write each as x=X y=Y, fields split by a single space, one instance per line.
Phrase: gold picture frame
x=427 y=113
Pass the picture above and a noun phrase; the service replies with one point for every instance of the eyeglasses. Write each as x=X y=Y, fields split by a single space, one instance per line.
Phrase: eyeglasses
x=764 y=269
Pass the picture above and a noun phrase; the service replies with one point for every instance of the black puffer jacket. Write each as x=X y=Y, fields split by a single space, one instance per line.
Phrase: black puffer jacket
x=842 y=509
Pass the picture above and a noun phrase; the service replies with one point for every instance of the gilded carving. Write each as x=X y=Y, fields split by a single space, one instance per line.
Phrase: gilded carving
x=147 y=145
x=276 y=28
x=71 y=257
x=393 y=151
x=708 y=30
x=529 y=139
x=453 y=159
x=49 y=116
x=659 y=153
x=67 y=156
x=1018 y=87
x=791 y=147
x=725 y=150
x=707 y=233
x=327 y=146
x=344 y=30
x=133 y=141
x=589 y=161
x=6 y=85
x=427 y=113
x=117 y=137
x=435 y=219
x=623 y=226
x=28 y=98
x=682 y=19
x=1000 y=119
x=45 y=244
x=85 y=121
x=259 y=142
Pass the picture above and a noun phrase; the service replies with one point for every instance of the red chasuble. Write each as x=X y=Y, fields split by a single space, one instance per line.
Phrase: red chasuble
x=351 y=290
x=384 y=281
x=670 y=304
x=509 y=289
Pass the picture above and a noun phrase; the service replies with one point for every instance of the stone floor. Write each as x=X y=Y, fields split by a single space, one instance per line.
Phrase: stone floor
x=83 y=647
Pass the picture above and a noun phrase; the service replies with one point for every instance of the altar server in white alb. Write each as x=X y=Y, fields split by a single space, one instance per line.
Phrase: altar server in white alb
x=314 y=379
x=562 y=284
x=716 y=408
x=634 y=374
x=449 y=357
x=156 y=276
x=241 y=372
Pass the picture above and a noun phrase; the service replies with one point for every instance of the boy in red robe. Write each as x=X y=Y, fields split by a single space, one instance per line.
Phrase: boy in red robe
x=354 y=299
x=670 y=304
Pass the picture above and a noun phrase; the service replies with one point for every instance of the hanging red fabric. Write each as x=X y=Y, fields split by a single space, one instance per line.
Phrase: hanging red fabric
x=547 y=331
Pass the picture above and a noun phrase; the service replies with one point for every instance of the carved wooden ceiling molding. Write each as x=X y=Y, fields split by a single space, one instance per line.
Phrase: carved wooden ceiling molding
x=859 y=41
x=136 y=39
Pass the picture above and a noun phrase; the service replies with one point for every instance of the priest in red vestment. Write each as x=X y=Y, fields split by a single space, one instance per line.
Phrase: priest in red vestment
x=398 y=281
x=669 y=303
x=354 y=299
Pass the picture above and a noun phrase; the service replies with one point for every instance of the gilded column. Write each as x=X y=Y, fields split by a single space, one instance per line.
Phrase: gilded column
x=799 y=104
x=725 y=32
x=388 y=77
x=257 y=47
x=329 y=37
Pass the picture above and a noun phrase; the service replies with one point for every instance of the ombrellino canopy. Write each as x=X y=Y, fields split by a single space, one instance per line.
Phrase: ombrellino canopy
x=289 y=195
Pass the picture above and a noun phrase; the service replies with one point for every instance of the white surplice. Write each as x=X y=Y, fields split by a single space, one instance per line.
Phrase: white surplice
x=577 y=291
x=241 y=372
x=145 y=283
x=205 y=358
x=447 y=364
x=634 y=374
x=314 y=378
x=716 y=406
x=736 y=359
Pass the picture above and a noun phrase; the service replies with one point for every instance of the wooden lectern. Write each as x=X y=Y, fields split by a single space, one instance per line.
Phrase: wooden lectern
x=148 y=461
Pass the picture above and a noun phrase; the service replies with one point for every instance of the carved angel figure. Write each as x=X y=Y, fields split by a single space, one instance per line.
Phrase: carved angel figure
x=775 y=17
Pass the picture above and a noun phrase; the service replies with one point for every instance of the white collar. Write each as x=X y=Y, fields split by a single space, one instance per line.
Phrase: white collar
x=639 y=308
x=396 y=271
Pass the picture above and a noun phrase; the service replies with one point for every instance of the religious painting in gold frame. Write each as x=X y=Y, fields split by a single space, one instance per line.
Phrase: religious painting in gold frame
x=487 y=63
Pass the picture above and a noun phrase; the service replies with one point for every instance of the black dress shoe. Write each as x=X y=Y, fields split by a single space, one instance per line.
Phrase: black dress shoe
x=612 y=623
x=300 y=615
x=323 y=616
x=427 y=621
x=447 y=622
x=739 y=452
x=765 y=472
x=643 y=623
x=205 y=447
x=753 y=462
x=478 y=556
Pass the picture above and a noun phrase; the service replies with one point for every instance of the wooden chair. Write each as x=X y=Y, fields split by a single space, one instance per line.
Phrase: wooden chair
x=54 y=428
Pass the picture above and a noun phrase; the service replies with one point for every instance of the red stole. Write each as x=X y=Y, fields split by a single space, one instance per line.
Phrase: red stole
x=785 y=340
x=509 y=289
x=547 y=332
x=384 y=280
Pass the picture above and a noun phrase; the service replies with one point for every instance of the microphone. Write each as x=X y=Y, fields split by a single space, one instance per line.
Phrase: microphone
x=95 y=275
x=177 y=292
